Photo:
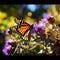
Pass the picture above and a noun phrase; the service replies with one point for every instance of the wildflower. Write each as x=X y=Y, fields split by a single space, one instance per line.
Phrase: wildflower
x=7 y=32
x=7 y=46
x=9 y=41
x=47 y=16
x=41 y=25
x=44 y=20
x=5 y=51
x=38 y=28
x=34 y=27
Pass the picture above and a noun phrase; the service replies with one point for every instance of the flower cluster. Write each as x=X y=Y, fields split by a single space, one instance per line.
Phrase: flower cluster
x=7 y=46
x=38 y=27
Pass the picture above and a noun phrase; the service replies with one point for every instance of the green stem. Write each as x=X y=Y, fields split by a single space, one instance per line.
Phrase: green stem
x=33 y=47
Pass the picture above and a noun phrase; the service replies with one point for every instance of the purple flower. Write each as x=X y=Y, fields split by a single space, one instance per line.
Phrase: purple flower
x=1 y=32
x=9 y=41
x=32 y=30
x=7 y=32
x=41 y=25
x=5 y=51
x=7 y=46
x=38 y=27
x=35 y=24
x=47 y=16
x=44 y=20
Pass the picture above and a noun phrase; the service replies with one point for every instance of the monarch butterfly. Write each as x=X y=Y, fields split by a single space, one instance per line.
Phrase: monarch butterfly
x=22 y=28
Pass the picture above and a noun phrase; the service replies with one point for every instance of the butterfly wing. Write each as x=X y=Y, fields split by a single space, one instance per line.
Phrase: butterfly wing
x=23 y=28
x=26 y=36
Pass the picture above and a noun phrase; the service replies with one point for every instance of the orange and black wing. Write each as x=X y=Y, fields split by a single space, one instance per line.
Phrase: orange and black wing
x=23 y=28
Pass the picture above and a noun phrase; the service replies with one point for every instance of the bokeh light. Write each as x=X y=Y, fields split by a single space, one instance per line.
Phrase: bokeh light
x=32 y=7
x=29 y=14
x=3 y=15
x=46 y=6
